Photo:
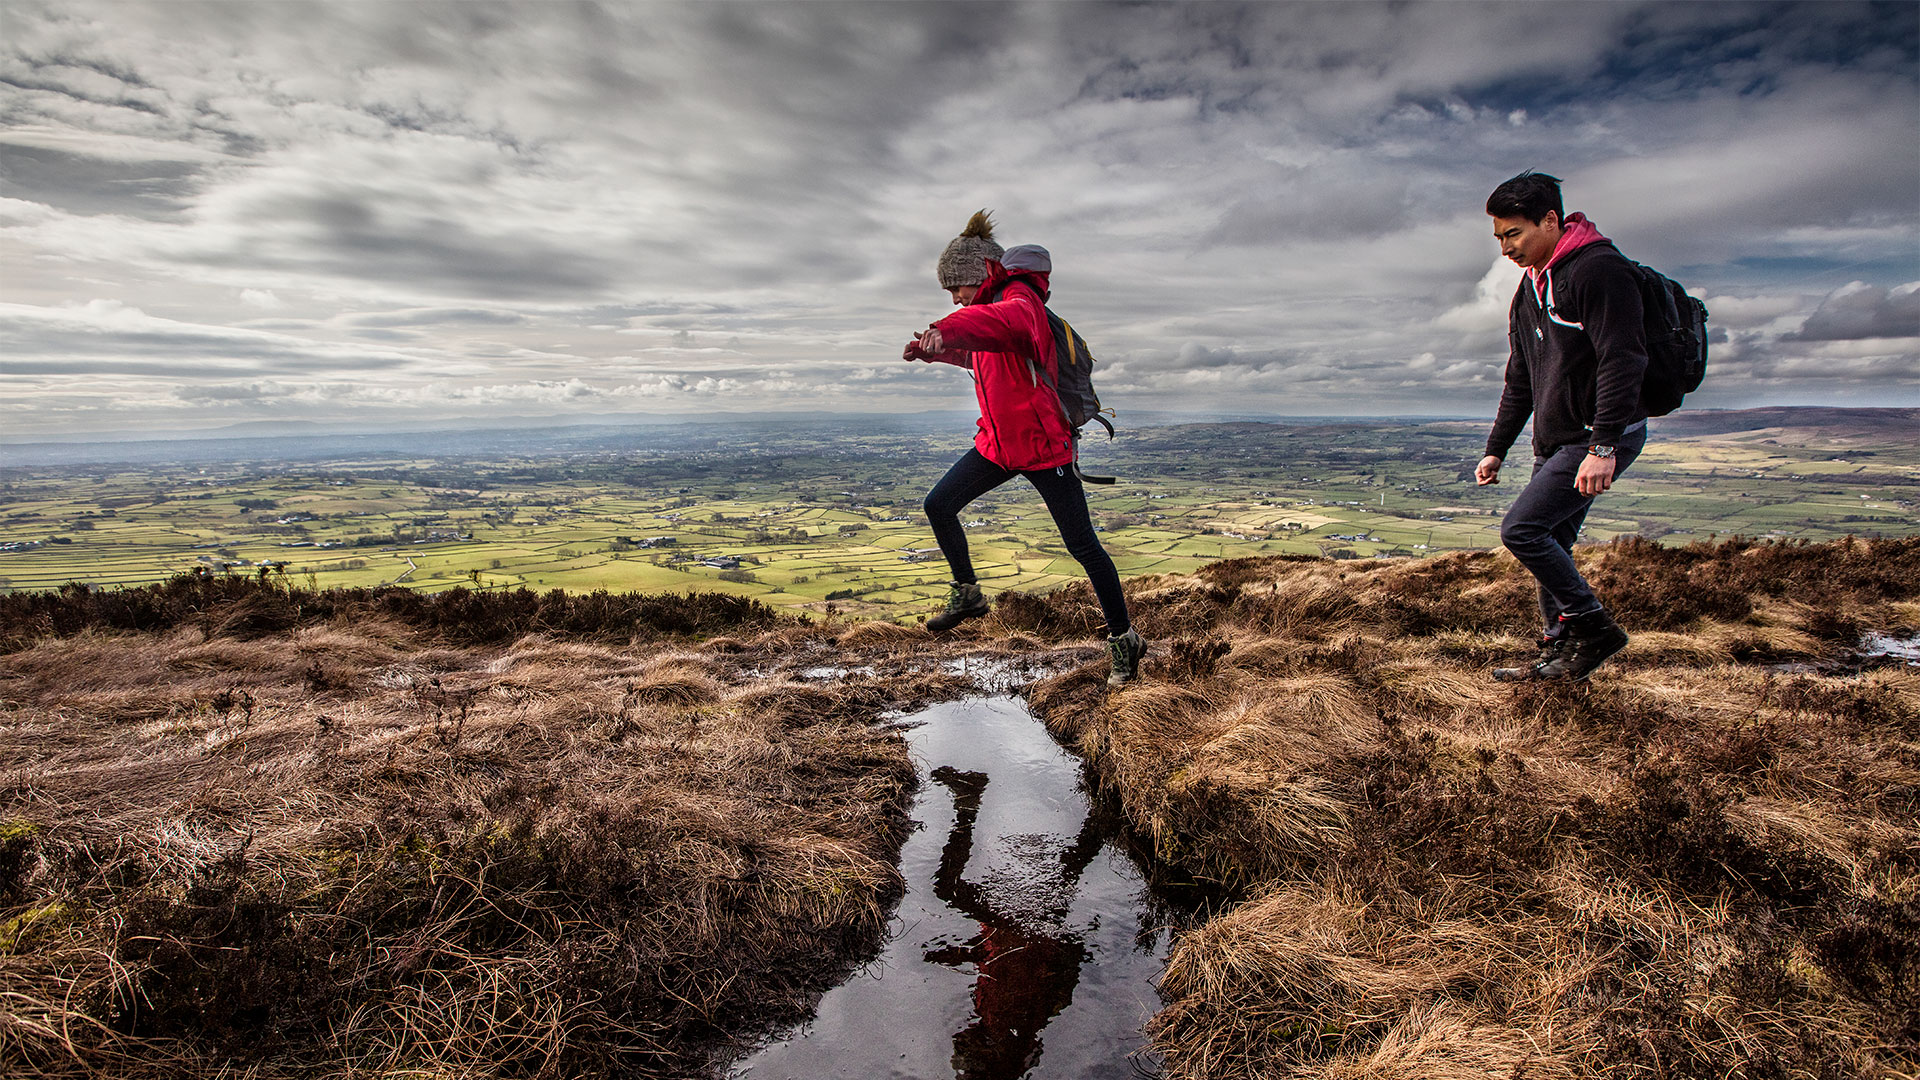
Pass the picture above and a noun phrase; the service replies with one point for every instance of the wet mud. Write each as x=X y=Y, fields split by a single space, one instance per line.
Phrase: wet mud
x=1030 y=936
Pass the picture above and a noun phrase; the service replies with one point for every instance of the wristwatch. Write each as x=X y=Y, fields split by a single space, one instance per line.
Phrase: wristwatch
x=1600 y=451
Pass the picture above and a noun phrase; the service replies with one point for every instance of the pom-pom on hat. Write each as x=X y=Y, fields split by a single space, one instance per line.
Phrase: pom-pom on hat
x=965 y=260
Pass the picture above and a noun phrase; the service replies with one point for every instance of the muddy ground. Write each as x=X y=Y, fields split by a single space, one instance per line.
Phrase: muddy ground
x=380 y=834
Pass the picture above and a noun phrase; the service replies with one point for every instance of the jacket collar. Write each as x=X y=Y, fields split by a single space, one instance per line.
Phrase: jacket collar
x=999 y=277
x=1579 y=233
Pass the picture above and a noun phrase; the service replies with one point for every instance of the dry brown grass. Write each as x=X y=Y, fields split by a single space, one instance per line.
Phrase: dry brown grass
x=366 y=835
x=880 y=633
x=351 y=846
x=1695 y=866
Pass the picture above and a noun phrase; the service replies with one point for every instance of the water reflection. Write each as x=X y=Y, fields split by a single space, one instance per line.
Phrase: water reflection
x=1029 y=938
x=1023 y=975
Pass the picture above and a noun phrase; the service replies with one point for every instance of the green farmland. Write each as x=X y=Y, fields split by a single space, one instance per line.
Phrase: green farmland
x=812 y=518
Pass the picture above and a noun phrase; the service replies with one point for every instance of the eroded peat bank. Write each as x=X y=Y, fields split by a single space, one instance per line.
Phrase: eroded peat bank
x=370 y=833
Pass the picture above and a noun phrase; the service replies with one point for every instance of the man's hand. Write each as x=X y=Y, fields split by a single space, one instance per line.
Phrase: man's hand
x=1488 y=471
x=1595 y=476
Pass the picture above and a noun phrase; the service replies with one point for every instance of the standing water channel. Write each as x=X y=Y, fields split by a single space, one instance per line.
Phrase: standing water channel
x=1030 y=935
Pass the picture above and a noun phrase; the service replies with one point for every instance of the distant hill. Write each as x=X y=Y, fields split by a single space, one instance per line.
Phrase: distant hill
x=1824 y=420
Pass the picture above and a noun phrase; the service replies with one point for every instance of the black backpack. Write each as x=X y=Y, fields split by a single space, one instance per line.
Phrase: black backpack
x=1073 y=389
x=1676 y=332
x=1676 y=325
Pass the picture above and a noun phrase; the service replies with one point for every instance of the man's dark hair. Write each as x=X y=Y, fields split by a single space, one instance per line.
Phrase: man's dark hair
x=1530 y=195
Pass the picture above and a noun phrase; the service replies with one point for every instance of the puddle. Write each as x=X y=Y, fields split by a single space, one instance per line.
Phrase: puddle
x=1875 y=650
x=837 y=673
x=1030 y=936
x=998 y=675
x=1875 y=646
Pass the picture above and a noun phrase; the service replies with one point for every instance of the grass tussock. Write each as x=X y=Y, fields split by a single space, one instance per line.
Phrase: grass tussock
x=883 y=634
x=1701 y=864
x=287 y=835
x=243 y=608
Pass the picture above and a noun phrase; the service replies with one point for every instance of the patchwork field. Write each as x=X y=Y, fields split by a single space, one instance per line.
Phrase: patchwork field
x=810 y=517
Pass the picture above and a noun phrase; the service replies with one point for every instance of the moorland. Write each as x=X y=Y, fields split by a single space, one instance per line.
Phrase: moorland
x=257 y=831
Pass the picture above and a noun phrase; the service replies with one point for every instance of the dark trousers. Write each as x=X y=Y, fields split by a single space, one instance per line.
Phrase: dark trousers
x=973 y=476
x=1543 y=523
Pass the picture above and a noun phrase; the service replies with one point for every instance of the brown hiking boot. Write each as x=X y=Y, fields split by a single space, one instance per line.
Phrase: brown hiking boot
x=966 y=601
x=1594 y=636
x=1550 y=665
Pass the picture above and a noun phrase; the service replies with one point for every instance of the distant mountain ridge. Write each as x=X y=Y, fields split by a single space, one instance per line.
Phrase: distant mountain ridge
x=305 y=440
x=1828 y=420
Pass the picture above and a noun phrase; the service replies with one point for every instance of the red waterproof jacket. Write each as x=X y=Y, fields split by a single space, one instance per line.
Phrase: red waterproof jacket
x=1009 y=346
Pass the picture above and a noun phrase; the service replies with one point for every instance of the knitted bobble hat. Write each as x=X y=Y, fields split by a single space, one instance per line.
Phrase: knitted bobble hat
x=965 y=260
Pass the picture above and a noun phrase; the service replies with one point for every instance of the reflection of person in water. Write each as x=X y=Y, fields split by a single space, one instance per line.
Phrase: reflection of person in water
x=1025 y=974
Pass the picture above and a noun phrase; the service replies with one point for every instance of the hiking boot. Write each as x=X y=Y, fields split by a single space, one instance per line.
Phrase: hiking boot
x=1593 y=636
x=1551 y=664
x=966 y=601
x=1125 y=651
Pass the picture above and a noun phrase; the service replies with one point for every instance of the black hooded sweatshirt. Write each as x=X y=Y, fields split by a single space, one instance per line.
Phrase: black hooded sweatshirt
x=1577 y=365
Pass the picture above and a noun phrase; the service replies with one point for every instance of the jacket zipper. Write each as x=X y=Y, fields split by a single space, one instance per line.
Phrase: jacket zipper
x=986 y=411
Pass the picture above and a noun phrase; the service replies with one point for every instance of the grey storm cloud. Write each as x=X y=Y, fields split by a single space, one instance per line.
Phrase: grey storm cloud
x=1266 y=205
x=436 y=316
x=106 y=337
x=1317 y=205
x=81 y=184
x=1864 y=311
x=224 y=393
x=1194 y=356
x=358 y=234
x=1785 y=362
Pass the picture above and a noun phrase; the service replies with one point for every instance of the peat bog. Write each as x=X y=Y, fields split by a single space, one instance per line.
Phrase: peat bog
x=293 y=833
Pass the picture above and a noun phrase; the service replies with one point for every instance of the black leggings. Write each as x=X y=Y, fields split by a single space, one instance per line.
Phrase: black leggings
x=973 y=476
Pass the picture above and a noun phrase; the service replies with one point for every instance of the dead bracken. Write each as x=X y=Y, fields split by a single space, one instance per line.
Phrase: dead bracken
x=374 y=833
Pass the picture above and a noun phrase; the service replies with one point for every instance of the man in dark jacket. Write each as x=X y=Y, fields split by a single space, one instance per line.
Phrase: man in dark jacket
x=1577 y=358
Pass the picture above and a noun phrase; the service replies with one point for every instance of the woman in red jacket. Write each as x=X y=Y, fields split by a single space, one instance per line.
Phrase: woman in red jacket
x=1001 y=334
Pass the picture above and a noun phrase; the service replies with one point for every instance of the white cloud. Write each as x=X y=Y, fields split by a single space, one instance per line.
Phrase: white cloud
x=1486 y=311
x=1859 y=310
x=1274 y=206
x=106 y=335
x=1765 y=311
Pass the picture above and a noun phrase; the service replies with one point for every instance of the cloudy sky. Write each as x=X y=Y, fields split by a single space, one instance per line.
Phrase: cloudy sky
x=412 y=213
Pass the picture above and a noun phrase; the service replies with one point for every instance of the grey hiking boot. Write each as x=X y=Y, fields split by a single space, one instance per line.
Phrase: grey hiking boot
x=1593 y=637
x=1550 y=665
x=966 y=601
x=1125 y=652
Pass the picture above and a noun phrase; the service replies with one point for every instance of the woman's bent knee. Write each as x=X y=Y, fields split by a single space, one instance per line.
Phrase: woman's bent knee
x=1087 y=554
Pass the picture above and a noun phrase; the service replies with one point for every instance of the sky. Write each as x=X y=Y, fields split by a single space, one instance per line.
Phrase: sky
x=418 y=214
